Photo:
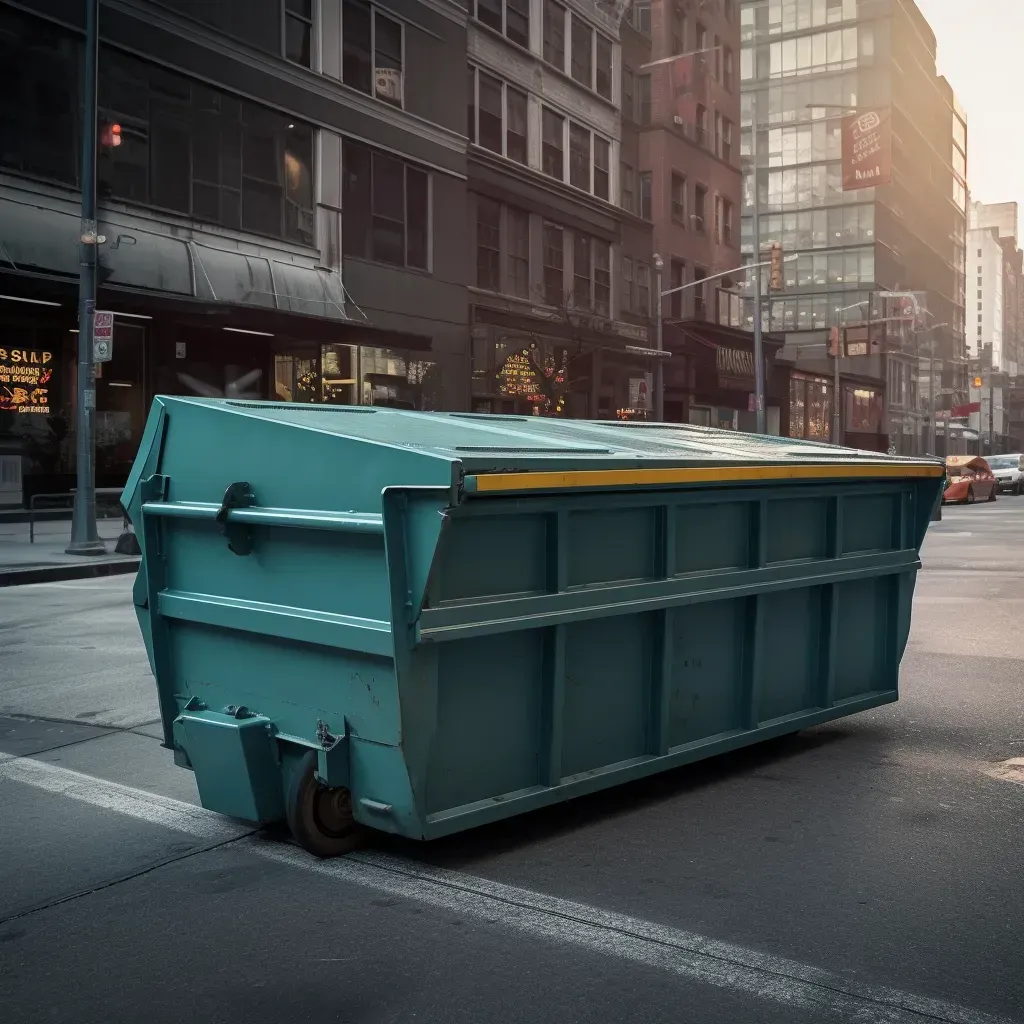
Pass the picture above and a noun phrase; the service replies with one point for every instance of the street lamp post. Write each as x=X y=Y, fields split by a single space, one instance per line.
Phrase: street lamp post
x=758 y=341
x=85 y=538
x=659 y=371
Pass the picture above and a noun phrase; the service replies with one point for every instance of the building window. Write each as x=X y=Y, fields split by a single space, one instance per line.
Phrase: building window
x=603 y=67
x=602 y=168
x=553 y=148
x=554 y=265
x=298 y=31
x=554 y=34
x=729 y=69
x=488 y=244
x=700 y=38
x=678 y=31
x=641 y=16
x=701 y=124
x=581 y=63
x=643 y=99
x=497 y=116
x=579 y=156
x=42 y=77
x=205 y=154
x=700 y=207
x=645 y=195
x=385 y=204
x=727 y=222
x=717 y=60
x=372 y=52
x=643 y=289
x=489 y=106
x=602 y=278
x=628 y=95
x=726 y=153
x=510 y=17
x=628 y=188
x=679 y=198
x=699 y=297
x=627 y=285
x=676 y=276
x=518 y=251
x=582 y=271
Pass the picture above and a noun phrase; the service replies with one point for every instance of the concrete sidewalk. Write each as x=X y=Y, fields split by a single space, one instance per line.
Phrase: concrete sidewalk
x=45 y=561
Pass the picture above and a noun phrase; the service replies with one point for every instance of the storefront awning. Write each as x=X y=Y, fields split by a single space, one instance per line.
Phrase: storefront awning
x=43 y=239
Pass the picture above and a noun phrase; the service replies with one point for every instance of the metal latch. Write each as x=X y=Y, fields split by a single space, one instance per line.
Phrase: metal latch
x=239 y=535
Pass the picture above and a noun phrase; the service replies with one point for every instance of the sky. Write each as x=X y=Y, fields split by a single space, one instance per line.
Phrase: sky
x=980 y=51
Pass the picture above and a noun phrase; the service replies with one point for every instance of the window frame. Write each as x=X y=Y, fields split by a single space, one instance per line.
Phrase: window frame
x=503 y=31
x=546 y=227
x=348 y=146
x=312 y=23
x=568 y=123
x=678 y=206
x=374 y=13
x=473 y=130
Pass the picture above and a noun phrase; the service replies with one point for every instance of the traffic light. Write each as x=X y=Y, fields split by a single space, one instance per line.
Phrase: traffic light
x=833 y=342
x=776 y=280
x=110 y=135
x=976 y=382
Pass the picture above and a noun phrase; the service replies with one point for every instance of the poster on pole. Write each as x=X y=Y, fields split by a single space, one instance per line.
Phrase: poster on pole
x=867 y=150
x=102 y=336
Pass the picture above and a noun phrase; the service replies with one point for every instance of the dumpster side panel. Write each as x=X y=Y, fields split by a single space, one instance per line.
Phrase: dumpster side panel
x=584 y=640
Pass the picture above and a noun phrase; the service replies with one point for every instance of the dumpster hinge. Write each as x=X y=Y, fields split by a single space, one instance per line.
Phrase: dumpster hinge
x=332 y=757
x=238 y=495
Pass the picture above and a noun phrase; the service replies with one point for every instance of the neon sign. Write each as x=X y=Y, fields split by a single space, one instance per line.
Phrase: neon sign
x=26 y=380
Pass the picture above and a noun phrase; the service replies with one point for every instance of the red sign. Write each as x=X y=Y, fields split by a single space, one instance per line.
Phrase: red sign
x=966 y=410
x=867 y=150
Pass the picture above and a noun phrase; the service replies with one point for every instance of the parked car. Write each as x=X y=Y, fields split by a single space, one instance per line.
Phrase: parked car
x=969 y=478
x=1009 y=472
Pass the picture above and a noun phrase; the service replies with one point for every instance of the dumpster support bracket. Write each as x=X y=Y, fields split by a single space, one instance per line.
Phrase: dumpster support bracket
x=331 y=758
x=238 y=495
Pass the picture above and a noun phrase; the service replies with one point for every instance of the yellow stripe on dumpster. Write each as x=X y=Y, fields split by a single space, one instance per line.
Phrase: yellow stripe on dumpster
x=496 y=482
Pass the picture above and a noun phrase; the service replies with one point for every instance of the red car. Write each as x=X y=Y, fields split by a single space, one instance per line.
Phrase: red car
x=968 y=479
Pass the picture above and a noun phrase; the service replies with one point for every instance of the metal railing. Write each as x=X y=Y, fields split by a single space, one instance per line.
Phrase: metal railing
x=64 y=502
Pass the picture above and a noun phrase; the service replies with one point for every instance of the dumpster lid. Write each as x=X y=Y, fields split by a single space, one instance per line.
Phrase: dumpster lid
x=492 y=449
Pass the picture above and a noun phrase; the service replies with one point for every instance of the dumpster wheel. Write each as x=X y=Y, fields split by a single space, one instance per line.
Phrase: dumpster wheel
x=321 y=819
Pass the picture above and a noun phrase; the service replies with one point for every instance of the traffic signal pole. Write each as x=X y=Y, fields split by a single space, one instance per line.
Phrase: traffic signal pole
x=85 y=539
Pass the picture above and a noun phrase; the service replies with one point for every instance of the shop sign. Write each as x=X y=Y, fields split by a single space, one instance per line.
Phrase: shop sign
x=640 y=389
x=735 y=368
x=867 y=150
x=529 y=375
x=26 y=380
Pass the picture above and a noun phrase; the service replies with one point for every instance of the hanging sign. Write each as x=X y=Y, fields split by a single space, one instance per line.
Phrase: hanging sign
x=867 y=150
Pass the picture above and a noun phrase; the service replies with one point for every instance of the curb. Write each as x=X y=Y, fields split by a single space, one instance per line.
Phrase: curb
x=60 y=573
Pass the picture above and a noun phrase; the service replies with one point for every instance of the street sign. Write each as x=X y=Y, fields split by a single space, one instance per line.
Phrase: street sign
x=102 y=336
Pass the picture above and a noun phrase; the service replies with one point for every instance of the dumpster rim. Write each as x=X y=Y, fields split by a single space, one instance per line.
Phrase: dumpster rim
x=492 y=483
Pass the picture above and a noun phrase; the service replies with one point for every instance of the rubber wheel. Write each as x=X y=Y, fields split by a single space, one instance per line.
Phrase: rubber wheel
x=321 y=819
x=1020 y=487
x=992 y=495
x=969 y=500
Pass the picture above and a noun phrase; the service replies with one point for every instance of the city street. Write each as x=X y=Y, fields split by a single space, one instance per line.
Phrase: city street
x=867 y=870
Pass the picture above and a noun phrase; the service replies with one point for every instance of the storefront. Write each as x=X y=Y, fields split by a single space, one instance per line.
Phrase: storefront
x=711 y=381
x=167 y=346
x=544 y=366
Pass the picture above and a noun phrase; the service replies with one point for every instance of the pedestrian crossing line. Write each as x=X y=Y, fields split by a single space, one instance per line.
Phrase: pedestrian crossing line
x=686 y=955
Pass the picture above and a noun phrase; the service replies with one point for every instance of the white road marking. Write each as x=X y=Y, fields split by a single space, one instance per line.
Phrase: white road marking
x=113 y=796
x=948 y=533
x=684 y=954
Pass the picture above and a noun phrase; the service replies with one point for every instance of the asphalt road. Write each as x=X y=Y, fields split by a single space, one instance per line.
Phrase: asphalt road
x=868 y=870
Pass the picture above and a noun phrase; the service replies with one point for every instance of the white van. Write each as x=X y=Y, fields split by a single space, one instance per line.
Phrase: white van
x=1009 y=472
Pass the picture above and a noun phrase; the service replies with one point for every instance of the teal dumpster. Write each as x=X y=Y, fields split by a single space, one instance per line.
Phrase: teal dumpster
x=417 y=623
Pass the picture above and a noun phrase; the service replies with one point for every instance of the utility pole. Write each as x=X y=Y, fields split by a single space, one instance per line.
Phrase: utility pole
x=659 y=371
x=85 y=538
x=758 y=347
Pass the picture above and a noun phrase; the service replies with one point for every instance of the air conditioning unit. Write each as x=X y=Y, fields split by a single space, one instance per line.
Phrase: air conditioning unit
x=676 y=119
